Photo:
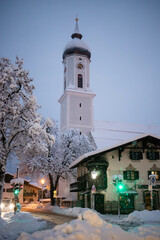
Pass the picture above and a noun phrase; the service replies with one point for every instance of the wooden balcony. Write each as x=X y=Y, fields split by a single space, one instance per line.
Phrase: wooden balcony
x=77 y=186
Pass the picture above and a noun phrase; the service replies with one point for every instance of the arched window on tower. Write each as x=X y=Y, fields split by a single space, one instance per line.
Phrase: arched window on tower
x=80 y=81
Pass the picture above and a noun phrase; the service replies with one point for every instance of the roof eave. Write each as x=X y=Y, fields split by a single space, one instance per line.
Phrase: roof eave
x=86 y=156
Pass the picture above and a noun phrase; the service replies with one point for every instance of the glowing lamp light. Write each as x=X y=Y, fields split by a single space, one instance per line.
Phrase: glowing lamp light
x=94 y=174
x=42 y=181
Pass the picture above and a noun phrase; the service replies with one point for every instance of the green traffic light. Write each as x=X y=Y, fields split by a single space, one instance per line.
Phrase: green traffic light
x=16 y=192
x=120 y=187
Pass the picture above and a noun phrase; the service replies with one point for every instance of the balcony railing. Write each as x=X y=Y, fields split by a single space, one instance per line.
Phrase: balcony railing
x=29 y=194
x=78 y=186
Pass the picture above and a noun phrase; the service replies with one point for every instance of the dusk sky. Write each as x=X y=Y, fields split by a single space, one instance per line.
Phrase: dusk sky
x=124 y=39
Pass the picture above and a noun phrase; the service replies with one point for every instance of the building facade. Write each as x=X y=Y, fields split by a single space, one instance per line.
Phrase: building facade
x=135 y=161
x=28 y=193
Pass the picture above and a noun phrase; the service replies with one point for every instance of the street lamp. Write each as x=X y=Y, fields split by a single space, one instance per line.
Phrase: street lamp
x=94 y=175
x=42 y=182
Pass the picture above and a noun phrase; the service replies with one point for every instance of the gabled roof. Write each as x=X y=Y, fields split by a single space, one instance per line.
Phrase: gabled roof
x=85 y=156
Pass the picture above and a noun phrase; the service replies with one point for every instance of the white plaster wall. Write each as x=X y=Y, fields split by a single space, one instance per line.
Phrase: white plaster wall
x=63 y=116
x=64 y=189
x=84 y=111
x=72 y=72
x=117 y=167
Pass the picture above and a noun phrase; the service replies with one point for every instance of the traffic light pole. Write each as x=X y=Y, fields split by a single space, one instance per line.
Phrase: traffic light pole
x=119 y=212
x=117 y=181
x=15 y=202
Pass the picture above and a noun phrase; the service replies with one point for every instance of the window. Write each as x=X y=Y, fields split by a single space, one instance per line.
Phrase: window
x=136 y=155
x=130 y=175
x=9 y=190
x=80 y=105
x=80 y=81
x=80 y=118
x=154 y=172
x=153 y=155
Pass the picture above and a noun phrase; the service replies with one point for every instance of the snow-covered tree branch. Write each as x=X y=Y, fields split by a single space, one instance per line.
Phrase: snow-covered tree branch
x=20 y=128
x=68 y=146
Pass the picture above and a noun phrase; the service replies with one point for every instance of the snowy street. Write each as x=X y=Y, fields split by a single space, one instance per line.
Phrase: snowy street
x=89 y=225
x=52 y=217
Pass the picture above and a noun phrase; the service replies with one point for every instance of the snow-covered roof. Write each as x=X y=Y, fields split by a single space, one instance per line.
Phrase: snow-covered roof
x=17 y=181
x=9 y=174
x=76 y=43
x=106 y=149
x=21 y=181
x=108 y=133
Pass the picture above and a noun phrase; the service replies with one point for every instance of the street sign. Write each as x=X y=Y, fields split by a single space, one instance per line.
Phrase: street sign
x=152 y=180
x=93 y=189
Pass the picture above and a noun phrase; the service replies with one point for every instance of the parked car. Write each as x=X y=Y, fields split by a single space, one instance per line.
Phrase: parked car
x=7 y=205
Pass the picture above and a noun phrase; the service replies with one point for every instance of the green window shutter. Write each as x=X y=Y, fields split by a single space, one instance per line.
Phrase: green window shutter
x=157 y=155
x=136 y=175
x=140 y=155
x=125 y=175
x=149 y=173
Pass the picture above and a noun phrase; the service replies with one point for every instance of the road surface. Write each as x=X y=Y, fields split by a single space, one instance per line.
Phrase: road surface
x=54 y=218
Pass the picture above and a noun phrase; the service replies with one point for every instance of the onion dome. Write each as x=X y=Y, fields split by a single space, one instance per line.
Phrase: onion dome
x=76 y=45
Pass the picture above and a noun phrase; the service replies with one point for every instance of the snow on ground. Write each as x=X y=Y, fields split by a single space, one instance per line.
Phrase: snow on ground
x=134 y=217
x=11 y=225
x=90 y=225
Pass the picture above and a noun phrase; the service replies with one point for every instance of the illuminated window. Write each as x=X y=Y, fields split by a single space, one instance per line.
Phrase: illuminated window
x=154 y=172
x=80 y=81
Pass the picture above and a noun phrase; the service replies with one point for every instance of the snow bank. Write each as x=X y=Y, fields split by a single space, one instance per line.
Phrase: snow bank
x=137 y=217
x=145 y=216
x=11 y=225
x=17 y=181
x=89 y=226
x=35 y=206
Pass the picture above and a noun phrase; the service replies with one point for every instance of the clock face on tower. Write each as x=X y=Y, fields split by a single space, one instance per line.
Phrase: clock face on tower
x=80 y=66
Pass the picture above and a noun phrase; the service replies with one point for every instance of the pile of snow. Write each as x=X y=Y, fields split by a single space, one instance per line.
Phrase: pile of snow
x=134 y=217
x=89 y=226
x=66 y=211
x=34 y=206
x=11 y=225
x=139 y=217
x=144 y=216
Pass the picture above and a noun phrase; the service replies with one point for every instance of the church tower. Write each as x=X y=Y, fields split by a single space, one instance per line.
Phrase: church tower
x=77 y=98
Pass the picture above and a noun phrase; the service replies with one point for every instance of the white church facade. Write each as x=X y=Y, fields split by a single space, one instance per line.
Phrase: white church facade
x=77 y=111
x=77 y=99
